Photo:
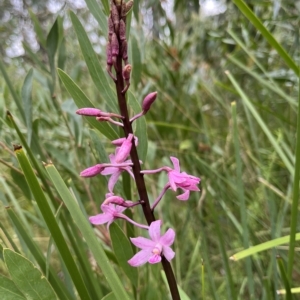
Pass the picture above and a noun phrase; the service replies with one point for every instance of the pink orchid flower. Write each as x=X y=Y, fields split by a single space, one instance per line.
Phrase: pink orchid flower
x=182 y=180
x=110 y=213
x=156 y=247
x=115 y=172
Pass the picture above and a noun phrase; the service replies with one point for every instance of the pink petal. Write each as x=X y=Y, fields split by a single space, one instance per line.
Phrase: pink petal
x=172 y=182
x=154 y=259
x=154 y=230
x=140 y=258
x=168 y=238
x=124 y=150
x=109 y=170
x=118 y=142
x=113 y=180
x=175 y=162
x=168 y=253
x=100 y=219
x=143 y=243
x=185 y=196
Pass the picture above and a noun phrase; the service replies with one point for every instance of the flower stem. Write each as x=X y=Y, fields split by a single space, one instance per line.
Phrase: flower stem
x=139 y=178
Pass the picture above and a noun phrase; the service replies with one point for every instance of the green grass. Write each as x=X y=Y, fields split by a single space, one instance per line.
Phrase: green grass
x=228 y=111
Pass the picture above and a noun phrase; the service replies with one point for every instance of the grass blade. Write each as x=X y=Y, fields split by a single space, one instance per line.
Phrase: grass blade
x=88 y=233
x=244 y=8
x=262 y=247
x=241 y=196
x=51 y=223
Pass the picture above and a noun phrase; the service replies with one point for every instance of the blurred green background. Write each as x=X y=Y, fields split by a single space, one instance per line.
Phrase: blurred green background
x=180 y=49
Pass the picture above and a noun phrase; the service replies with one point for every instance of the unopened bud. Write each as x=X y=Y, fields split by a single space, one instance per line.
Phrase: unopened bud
x=122 y=31
x=126 y=75
x=89 y=111
x=114 y=45
x=124 y=150
x=117 y=201
x=109 y=54
x=115 y=17
x=126 y=7
x=126 y=72
x=92 y=171
x=148 y=100
x=124 y=52
x=111 y=28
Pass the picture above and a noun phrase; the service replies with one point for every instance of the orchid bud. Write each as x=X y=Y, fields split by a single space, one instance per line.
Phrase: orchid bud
x=113 y=199
x=92 y=171
x=114 y=45
x=124 y=150
x=122 y=31
x=115 y=17
x=126 y=72
x=148 y=100
x=118 y=201
x=126 y=7
x=109 y=54
x=126 y=75
x=88 y=111
x=124 y=52
x=111 y=28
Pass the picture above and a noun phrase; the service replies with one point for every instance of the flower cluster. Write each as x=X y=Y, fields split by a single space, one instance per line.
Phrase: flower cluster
x=158 y=246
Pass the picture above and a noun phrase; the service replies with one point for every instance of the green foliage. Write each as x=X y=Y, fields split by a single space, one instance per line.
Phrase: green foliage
x=246 y=158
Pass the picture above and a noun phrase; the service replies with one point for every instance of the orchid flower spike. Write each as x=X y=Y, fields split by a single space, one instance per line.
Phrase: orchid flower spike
x=155 y=247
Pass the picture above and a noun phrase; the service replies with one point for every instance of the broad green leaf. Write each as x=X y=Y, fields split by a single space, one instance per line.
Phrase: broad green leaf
x=35 y=58
x=36 y=252
x=52 y=224
x=12 y=91
x=136 y=61
x=85 y=227
x=52 y=44
x=141 y=127
x=37 y=28
x=81 y=101
x=27 y=103
x=97 y=12
x=123 y=251
x=95 y=68
x=8 y=290
x=62 y=54
x=102 y=155
x=27 y=277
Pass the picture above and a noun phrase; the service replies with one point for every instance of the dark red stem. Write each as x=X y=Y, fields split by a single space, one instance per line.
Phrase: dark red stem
x=139 y=178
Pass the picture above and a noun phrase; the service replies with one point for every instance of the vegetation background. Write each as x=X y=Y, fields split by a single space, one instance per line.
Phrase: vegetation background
x=236 y=130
